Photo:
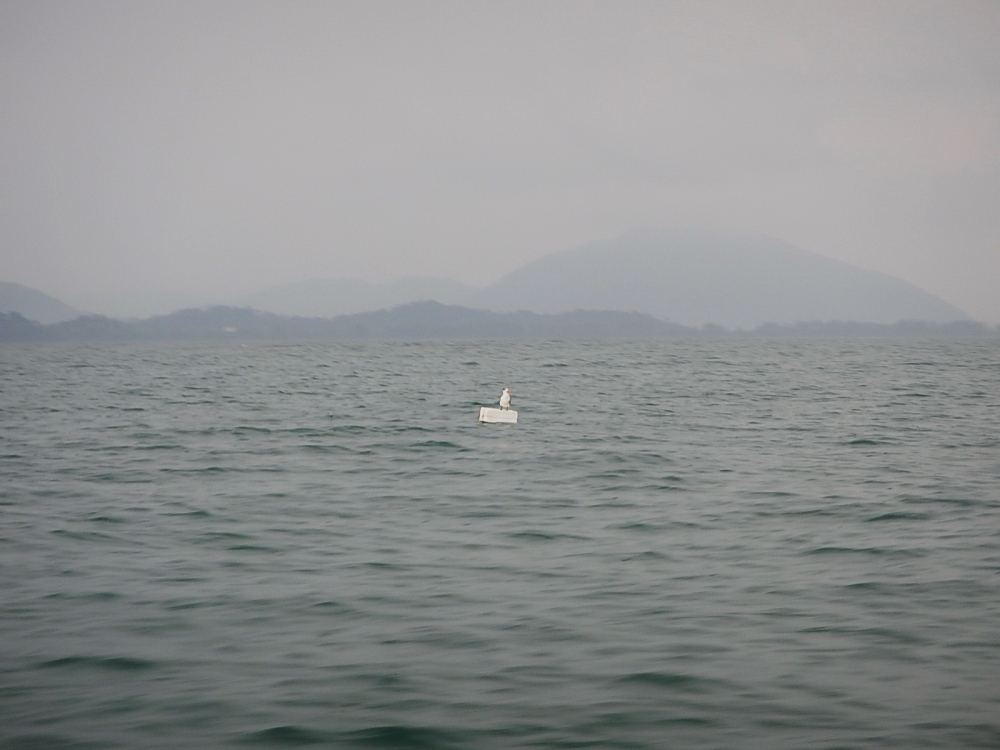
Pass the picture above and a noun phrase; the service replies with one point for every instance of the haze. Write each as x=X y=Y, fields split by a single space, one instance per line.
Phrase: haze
x=160 y=154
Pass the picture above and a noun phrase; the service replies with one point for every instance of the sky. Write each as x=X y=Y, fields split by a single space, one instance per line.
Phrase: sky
x=164 y=153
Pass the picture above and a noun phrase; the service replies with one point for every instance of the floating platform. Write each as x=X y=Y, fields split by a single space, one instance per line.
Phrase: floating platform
x=497 y=416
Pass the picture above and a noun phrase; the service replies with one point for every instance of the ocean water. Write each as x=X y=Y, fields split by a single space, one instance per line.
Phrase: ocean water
x=711 y=544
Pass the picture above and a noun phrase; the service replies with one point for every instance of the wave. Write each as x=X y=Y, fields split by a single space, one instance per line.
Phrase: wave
x=112 y=663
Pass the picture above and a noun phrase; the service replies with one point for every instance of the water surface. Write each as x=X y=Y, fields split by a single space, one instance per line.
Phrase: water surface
x=687 y=544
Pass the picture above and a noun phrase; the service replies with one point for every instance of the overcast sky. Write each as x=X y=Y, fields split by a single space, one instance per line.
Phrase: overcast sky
x=155 y=154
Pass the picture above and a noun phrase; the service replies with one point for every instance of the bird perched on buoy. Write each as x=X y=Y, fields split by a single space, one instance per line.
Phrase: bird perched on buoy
x=503 y=415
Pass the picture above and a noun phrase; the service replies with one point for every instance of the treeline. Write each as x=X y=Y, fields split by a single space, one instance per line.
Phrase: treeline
x=434 y=321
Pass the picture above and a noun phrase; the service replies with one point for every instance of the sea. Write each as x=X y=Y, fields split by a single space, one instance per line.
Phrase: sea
x=719 y=543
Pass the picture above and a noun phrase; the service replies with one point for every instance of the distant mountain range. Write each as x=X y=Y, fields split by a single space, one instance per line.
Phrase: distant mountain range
x=34 y=304
x=688 y=278
x=428 y=321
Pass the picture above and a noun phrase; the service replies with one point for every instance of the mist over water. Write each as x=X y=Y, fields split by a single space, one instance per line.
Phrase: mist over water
x=693 y=544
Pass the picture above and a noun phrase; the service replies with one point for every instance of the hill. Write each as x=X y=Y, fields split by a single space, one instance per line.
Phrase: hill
x=33 y=304
x=326 y=298
x=416 y=321
x=697 y=278
x=432 y=321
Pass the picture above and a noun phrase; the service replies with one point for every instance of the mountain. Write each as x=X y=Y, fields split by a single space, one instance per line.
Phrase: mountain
x=690 y=278
x=696 y=278
x=329 y=297
x=33 y=304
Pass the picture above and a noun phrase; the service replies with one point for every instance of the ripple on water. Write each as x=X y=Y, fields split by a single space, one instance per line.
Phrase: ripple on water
x=100 y=663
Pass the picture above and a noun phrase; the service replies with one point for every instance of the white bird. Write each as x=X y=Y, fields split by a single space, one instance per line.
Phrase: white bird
x=505 y=398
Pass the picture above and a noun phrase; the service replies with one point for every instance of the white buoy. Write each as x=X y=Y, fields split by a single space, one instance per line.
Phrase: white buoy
x=497 y=416
x=503 y=415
